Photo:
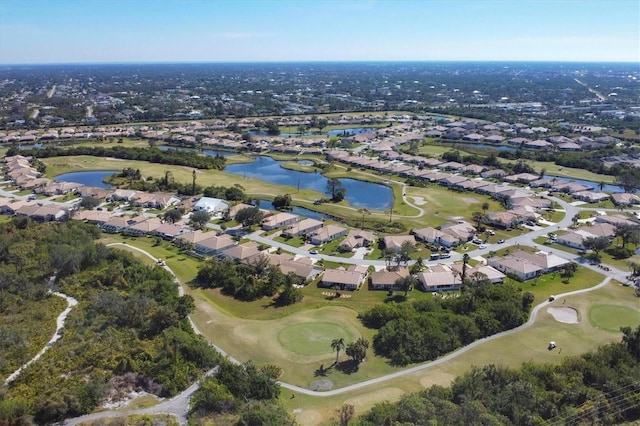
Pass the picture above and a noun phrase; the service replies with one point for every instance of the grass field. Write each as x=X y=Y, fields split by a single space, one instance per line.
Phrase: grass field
x=612 y=317
x=313 y=338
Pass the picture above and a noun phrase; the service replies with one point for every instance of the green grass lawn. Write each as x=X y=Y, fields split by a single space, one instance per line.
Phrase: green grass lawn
x=313 y=338
x=612 y=317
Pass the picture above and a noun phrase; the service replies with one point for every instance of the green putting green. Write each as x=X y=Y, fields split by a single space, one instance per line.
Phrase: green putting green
x=611 y=317
x=313 y=338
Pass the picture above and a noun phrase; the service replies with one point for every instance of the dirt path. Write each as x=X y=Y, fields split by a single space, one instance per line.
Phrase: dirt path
x=71 y=302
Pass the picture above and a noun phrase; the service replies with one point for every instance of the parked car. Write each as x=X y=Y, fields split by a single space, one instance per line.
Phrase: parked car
x=445 y=255
x=501 y=241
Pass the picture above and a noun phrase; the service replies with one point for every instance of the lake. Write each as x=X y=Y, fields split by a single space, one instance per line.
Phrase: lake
x=337 y=132
x=210 y=152
x=590 y=184
x=92 y=178
x=358 y=193
x=300 y=211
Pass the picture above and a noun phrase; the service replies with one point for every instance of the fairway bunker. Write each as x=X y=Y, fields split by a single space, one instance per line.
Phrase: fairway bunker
x=564 y=315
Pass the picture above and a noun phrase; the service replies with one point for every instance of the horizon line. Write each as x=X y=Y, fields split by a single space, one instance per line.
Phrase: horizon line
x=360 y=61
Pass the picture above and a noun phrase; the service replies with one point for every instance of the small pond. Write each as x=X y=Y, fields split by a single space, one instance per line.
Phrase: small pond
x=300 y=211
x=92 y=178
x=358 y=193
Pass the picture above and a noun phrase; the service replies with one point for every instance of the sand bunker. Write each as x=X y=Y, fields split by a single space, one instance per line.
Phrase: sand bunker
x=419 y=201
x=565 y=315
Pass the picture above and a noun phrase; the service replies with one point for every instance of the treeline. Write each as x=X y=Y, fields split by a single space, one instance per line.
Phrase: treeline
x=152 y=155
x=130 y=322
x=245 y=393
x=602 y=388
x=250 y=281
x=427 y=329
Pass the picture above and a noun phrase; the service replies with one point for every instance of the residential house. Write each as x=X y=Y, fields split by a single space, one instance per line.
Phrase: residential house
x=386 y=279
x=304 y=226
x=395 y=242
x=278 y=220
x=341 y=279
x=461 y=230
x=242 y=252
x=357 y=238
x=481 y=271
x=441 y=279
x=625 y=199
x=146 y=227
x=327 y=233
x=590 y=196
x=213 y=206
x=214 y=246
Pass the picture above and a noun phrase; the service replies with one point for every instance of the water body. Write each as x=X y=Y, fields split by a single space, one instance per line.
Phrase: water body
x=590 y=184
x=463 y=145
x=300 y=211
x=352 y=131
x=209 y=152
x=359 y=193
x=336 y=132
x=93 y=178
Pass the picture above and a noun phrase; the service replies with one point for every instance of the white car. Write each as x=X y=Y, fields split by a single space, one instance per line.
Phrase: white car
x=313 y=251
x=482 y=246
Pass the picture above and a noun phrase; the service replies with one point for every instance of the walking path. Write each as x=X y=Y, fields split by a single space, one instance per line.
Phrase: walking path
x=71 y=302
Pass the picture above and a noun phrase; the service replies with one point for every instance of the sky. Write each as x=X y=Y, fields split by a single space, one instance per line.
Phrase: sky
x=95 y=31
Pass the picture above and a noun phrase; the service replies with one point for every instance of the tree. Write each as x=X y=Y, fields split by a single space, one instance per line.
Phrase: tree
x=89 y=203
x=272 y=127
x=597 y=244
x=335 y=189
x=282 y=202
x=406 y=250
x=289 y=296
x=627 y=233
x=465 y=262
x=337 y=345
x=358 y=349
x=569 y=269
x=485 y=206
x=629 y=180
x=364 y=212
x=172 y=216
x=406 y=283
x=200 y=218
x=346 y=414
x=479 y=218
x=575 y=220
x=249 y=216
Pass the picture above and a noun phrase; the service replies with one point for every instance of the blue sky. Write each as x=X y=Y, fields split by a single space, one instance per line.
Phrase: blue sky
x=82 y=31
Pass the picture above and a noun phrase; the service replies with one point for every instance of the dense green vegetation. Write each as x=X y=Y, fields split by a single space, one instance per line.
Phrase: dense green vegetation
x=247 y=393
x=426 y=329
x=596 y=388
x=250 y=281
x=153 y=155
x=130 y=321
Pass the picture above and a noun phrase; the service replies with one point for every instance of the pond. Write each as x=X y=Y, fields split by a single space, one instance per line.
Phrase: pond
x=358 y=193
x=337 y=132
x=210 y=152
x=92 y=178
x=300 y=211
x=590 y=184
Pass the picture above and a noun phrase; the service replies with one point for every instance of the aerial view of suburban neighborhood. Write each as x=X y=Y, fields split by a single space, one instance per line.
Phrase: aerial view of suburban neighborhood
x=320 y=243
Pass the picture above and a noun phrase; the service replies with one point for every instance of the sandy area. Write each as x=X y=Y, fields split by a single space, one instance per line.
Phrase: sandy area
x=419 y=201
x=565 y=315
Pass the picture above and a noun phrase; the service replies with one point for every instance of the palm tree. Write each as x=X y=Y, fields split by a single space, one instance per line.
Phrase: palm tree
x=485 y=206
x=337 y=345
x=465 y=260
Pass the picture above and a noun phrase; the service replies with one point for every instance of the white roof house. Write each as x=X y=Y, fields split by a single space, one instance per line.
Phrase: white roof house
x=214 y=206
